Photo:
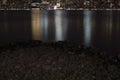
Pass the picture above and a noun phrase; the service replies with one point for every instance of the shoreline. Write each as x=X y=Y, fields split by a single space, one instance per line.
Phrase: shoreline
x=63 y=9
x=59 y=44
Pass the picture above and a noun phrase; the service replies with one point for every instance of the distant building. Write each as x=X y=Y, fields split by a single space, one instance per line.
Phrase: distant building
x=87 y=3
x=4 y=2
x=58 y=4
x=35 y=5
x=44 y=2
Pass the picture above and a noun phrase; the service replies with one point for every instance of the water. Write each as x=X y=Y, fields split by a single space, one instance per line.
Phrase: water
x=98 y=28
x=15 y=26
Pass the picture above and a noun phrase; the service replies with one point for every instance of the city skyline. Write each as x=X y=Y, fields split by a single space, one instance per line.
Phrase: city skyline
x=102 y=4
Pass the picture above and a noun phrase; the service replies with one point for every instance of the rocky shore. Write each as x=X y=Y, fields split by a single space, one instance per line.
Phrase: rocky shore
x=36 y=60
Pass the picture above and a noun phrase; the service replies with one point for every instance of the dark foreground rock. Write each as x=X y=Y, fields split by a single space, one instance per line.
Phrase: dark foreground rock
x=56 y=61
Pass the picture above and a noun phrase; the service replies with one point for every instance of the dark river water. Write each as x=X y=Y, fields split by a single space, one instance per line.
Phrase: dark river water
x=98 y=28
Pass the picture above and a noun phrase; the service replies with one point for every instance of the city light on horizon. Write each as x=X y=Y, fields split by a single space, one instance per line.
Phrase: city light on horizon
x=74 y=4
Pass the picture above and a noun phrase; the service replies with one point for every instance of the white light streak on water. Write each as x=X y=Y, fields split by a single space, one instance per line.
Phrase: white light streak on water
x=87 y=27
x=58 y=26
x=44 y=24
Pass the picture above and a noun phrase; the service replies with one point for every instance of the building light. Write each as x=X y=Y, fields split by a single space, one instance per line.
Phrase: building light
x=55 y=7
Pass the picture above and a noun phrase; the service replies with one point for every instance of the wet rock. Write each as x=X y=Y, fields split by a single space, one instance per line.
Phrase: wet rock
x=35 y=60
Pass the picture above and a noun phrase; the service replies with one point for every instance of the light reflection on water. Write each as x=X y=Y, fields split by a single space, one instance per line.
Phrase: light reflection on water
x=87 y=27
x=60 y=26
x=44 y=25
x=110 y=25
x=5 y=24
x=36 y=26
x=107 y=29
x=41 y=25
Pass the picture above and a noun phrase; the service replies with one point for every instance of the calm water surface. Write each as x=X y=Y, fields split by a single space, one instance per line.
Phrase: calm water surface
x=97 y=28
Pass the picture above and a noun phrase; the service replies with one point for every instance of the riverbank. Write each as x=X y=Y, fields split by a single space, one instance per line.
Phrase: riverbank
x=35 y=60
x=91 y=9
